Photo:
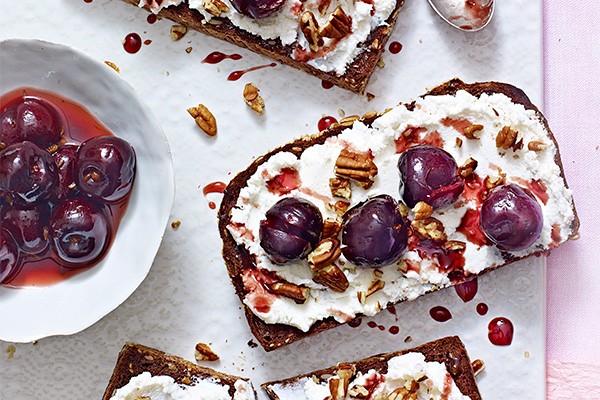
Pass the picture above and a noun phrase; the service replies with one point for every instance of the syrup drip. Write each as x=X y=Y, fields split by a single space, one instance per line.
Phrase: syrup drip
x=394 y=330
x=482 y=308
x=285 y=182
x=500 y=331
x=395 y=47
x=87 y=1
x=214 y=187
x=147 y=42
x=355 y=323
x=216 y=57
x=469 y=226
x=467 y=290
x=372 y=324
x=326 y=84
x=326 y=122
x=132 y=43
x=235 y=75
x=440 y=314
x=151 y=18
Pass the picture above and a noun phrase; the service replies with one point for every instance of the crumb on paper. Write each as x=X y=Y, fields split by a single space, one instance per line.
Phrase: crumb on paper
x=253 y=99
x=526 y=354
x=204 y=119
x=188 y=50
x=380 y=63
x=252 y=344
x=113 y=66
x=341 y=112
x=11 y=351
x=370 y=96
x=408 y=339
x=176 y=224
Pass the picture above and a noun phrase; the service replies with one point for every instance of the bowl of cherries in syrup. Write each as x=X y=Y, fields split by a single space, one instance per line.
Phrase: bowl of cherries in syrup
x=86 y=190
x=62 y=198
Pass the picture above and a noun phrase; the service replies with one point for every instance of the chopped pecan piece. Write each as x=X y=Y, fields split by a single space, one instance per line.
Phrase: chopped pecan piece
x=467 y=168
x=349 y=120
x=286 y=289
x=339 y=207
x=323 y=7
x=478 y=366
x=493 y=181
x=204 y=119
x=507 y=139
x=256 y=103
x=337 y=26
x=178 y=32
x=340 y=187
x=473 y=131
x=405 y=394
x=455 y=245
x=310 y=28
x=203 y=352
x=215 y=7
x=332 y=277
x=375 y=286
x=338 y=385
x=536 y=146
x=422 y=210
x=331 y=228
x=360 y=392
x=356 y=166
x=430 y=228
x=459 y=142
x=326 y=253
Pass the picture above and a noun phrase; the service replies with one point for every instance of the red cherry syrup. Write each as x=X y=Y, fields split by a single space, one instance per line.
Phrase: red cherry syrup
x=501 y=331
x=440 y=314
x=80 y=125
x=213 y=187
x=467 y=290
x=216 y=57
x=132 y=43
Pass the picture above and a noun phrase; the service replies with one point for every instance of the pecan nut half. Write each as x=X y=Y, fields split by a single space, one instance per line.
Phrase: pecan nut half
x=215 y=7
x=331 y=228
x=286 y=289
x=467 y=169
x=337 y=26
x=204 y=119
x=357 y=167
x=251 y=97
x=310 y=28
x=203 y=352
x=473 y=131
x=332 y=277
x=326 y=253
x=508 y=138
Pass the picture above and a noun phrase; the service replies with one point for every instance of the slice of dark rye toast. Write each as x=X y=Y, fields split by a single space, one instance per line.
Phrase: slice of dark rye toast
x=358 y=71
x=449 y=351
x=134 y=359
x=238 y=258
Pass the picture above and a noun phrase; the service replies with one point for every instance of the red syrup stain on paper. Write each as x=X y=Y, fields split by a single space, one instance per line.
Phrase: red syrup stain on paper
x=132 y=43
x=501 y=331
x=395 y=47
x=482 y=308
x=235 y=75
x=151 y=18
x=326 y=84
x=326 y=122
x=467 y=290
x=440 y=314
x=213 y=187
x=216 y=57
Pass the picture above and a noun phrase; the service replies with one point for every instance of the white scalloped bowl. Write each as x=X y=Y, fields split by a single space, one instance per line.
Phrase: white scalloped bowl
x=72 y=305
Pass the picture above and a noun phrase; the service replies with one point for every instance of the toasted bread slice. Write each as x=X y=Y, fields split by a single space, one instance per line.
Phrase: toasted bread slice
x=449 y=351
x=239 y=259
x=135 y=359
x=357 y=73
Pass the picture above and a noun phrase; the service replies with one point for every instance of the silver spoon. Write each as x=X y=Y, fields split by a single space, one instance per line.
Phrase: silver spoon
x=466 y=15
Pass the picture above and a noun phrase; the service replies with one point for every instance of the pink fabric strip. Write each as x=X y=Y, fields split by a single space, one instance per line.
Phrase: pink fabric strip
x=571 y=381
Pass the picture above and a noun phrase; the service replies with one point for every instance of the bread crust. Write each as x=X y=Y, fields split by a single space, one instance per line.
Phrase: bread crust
x=449 y=351
x=136 y=358
x=237 y=258
x=355 y=78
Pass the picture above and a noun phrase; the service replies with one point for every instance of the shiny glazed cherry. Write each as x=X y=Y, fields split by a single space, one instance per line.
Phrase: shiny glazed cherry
x=31 y=119
x=10 y=264
x=511 y=218
x=105 y=168
x=374 y=233
x=27 y=173
x=28 y=225
x=428 y=173
x=257 y=9
x=80 y=232
x=291 y=230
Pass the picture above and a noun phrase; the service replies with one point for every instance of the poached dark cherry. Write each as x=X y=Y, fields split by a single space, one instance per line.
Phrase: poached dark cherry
x=511 y=218
x=10 y=262
x=105 y=168
x=64 y=158
x=28 y=225
x=31 y=119
x=27 y=173
x=257 y=9
x=80 y=232
x=291 y=230
x=428 y=173
x=374 y=233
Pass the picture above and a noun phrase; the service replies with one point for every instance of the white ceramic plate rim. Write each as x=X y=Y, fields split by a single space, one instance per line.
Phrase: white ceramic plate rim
x=72 y=305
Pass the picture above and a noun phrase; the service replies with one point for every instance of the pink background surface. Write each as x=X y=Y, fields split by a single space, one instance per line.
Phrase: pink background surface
x=572 y=106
